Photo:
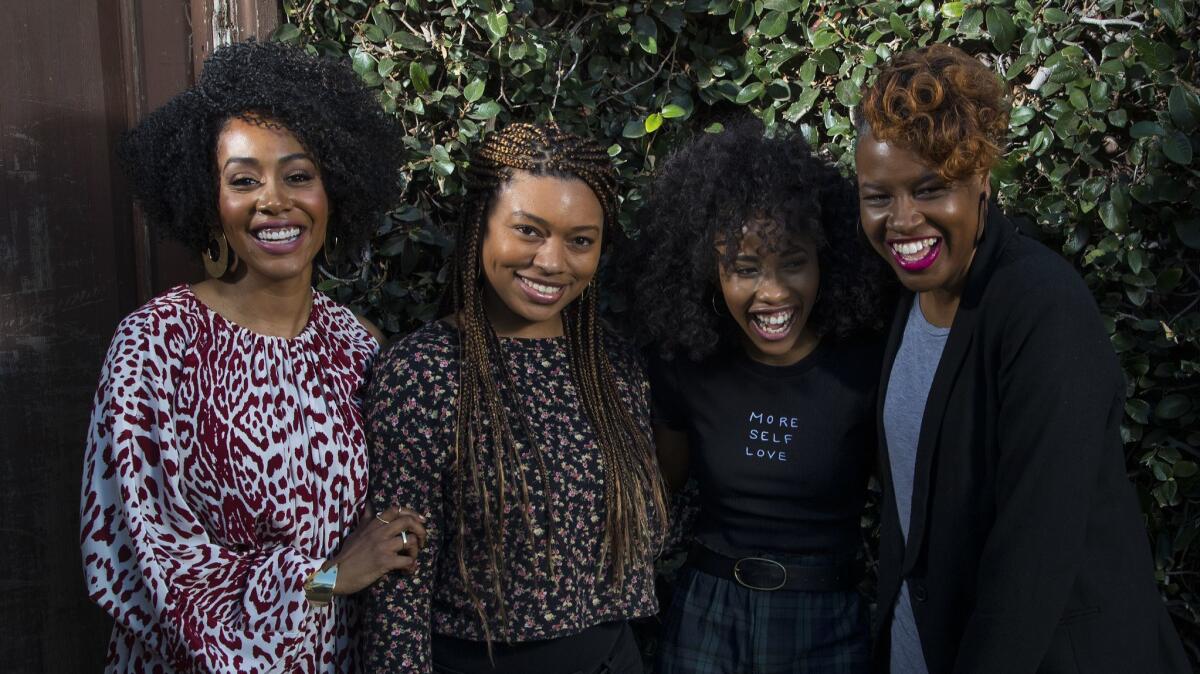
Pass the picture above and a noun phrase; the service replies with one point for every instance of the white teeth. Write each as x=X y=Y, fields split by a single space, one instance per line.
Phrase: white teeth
x=917 y=247
x=540 y=288
x=774 y=323
x=277 y=234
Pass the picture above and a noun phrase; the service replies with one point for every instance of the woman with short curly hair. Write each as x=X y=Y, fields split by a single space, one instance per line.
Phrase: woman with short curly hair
x=226 y=463
x=1010 y=539
x=762 y=310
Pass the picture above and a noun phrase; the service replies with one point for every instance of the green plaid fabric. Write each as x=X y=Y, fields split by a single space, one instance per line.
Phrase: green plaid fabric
x=716 y=626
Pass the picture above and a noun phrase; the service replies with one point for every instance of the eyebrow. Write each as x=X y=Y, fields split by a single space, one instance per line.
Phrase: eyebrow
x=526 y=215
x=252 y=161
x=923 y=178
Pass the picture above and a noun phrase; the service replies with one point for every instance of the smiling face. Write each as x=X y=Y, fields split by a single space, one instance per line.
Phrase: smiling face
x=925 y=227
x=540 y=250
x=271 y=201
x=770 y=292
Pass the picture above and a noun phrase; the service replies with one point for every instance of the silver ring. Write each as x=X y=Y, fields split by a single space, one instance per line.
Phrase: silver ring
x=380 y=518
x=404 y=537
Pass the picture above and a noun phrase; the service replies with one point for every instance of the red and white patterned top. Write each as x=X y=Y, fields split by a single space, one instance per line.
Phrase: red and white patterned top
x=222 y=468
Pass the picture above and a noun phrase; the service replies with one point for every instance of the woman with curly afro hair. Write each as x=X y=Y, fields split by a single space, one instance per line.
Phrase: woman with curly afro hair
x=226 y=466
x=763 y=311
x=1011 y=540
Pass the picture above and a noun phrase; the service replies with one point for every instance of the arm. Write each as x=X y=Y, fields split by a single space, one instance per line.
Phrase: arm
x=1059 y=392
x=407 y=462
x=148 y=559
x=669 y=414
x=673 y=456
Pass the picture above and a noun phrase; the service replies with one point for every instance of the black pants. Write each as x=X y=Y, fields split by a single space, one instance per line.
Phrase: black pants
x=608 y=648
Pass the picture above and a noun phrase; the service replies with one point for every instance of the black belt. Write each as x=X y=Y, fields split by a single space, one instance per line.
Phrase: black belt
x=760 y=573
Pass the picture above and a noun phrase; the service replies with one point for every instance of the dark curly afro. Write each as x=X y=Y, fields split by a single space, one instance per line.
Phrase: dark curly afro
x=705 y=193
x=170 y=157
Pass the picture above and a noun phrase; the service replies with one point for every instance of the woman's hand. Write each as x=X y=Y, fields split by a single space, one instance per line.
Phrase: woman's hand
x=382 y=543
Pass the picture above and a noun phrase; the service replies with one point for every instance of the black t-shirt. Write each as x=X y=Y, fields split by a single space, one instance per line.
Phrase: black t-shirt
x=781 y=454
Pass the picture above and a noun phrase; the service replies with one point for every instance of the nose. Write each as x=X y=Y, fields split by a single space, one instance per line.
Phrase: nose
x=272 y=199
x=770 y=290
x=905 y=215
x=549 y=257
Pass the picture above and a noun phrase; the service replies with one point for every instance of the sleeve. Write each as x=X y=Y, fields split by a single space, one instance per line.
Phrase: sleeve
x=407 y=464
x=148 y=559
x=666 y=401
x=1059 y=396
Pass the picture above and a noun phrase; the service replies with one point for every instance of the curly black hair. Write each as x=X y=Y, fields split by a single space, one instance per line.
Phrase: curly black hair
x=704 y=194
x=170 y=157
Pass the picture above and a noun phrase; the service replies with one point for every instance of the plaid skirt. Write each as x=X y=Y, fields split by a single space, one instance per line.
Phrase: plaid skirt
x=716 y=626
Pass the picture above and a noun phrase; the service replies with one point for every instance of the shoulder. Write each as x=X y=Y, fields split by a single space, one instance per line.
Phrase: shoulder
x=431 y=350
x=167 y=321
x=626 y=359
x=1027 y=271
x=860 y=357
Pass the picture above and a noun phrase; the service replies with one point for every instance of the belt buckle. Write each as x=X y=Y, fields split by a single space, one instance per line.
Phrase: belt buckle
x=737 y=573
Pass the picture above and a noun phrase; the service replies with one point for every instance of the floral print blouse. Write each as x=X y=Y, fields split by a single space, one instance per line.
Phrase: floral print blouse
x=410 y=412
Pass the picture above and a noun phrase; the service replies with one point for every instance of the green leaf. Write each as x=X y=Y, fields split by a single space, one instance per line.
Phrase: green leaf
x=773 y=24
x=1188 y=231
x=408 y=41
x=362 y=63
x=1173 y=406
x=473 y=91
x=823 y=38
x=1001 y=27
x=1138 y=410
x=741 y=17
x=1183 y=111
x=1055 y=15
x=953 y=10
x=614 y=149
x=1178 y=147
x=750 y=92
x=634 y=128
x=1145 y=129
x=715 y=127
x=285 y=33
x=497 y=25
x=1079 y=99
x=645 y=33
x=1185 y=468
x=898 y=27
x=672 y=111
x=653 y=122
x=1021 y=115
x=486 y=110
x=1113 y=219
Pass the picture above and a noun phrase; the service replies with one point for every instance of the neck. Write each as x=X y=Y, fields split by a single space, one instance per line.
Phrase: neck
x=939 y=307
x=277 y=308
x=805 y=344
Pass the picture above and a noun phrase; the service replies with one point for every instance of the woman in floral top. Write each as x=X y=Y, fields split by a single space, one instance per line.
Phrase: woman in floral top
x=521 y=431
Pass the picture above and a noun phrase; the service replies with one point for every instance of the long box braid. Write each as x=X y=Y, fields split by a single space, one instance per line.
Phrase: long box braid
x=634 y=495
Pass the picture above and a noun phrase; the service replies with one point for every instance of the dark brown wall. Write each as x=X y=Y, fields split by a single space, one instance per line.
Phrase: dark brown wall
x=74 y=259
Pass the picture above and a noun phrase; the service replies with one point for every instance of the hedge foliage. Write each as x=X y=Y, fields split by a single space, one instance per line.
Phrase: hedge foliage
x=1106 y=133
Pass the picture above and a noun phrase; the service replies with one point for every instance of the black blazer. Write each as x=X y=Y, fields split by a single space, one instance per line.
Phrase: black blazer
x=1026 y=552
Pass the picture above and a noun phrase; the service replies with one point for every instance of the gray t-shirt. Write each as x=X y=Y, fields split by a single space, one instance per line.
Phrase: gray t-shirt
x=903 y=408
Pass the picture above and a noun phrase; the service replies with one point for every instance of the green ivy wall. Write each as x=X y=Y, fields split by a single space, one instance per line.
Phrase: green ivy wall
x=1103 y=154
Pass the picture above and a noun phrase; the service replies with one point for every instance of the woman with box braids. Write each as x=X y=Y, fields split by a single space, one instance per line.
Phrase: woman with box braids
x=522 y=432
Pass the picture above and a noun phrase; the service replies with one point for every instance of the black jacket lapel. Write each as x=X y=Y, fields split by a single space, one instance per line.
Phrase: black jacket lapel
x=997 y=233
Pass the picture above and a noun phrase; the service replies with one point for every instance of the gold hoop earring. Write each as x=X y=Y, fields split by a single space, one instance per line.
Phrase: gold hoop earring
x=219 y=258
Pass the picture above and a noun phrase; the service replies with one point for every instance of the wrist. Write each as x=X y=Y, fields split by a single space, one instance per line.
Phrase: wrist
x=319 y=588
